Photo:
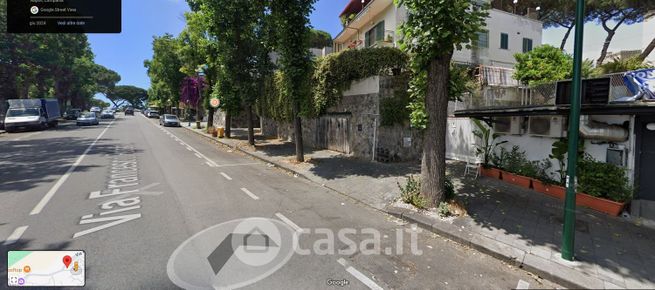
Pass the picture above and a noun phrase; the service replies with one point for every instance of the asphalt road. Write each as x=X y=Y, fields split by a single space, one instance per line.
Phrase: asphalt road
x=150 y=207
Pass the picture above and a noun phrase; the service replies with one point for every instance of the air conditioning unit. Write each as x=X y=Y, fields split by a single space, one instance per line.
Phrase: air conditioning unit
x=508 y=125
x=547 y=126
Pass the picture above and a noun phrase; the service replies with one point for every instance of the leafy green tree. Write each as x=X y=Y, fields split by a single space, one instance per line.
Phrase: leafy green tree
x=238 y=28
x=543 y=64
x=623 y=65
x=612 y=14
x=433 y=30
x=135 y=96
x=319 y=39
x=164 y=70
x=292 y=30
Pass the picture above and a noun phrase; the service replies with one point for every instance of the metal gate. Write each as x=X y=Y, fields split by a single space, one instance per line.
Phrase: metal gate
x=333 y=132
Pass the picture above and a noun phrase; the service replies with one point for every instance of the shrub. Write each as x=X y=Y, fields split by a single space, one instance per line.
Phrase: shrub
x=411 y=192
x=603 y=180
x=443 y=209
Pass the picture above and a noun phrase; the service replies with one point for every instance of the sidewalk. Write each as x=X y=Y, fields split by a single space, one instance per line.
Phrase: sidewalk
x=520 y=226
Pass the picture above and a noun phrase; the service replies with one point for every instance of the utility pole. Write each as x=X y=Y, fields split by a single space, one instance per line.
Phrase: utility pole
x=568 y=236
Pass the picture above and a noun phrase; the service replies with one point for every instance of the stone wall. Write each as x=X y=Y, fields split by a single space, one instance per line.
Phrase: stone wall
x=365 y=134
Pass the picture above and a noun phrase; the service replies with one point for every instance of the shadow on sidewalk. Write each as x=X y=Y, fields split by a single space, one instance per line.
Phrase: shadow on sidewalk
x=608 y=247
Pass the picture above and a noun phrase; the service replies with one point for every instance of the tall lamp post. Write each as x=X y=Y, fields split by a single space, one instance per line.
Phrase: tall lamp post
x=568 y=233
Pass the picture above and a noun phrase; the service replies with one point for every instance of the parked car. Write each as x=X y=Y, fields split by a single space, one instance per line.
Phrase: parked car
x=87 y=119
x=129 y=111
x=152 y=114
x=169 y=120
x=31 y=113
x=106 y=114
x=72 y=114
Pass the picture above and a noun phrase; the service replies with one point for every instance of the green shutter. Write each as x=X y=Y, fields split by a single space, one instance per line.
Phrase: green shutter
x=527 y=44
x=504 y=41
x=379 y=31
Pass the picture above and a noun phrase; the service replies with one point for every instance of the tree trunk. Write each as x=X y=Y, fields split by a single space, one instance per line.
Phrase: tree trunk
x=608 y=40
x=228 y=124
x=198 y=118
x=210 y=117
x=433 y=165
x=297 y=128
x=566 y=37
x=647 y=50
x=606 y=45
x=251 y=130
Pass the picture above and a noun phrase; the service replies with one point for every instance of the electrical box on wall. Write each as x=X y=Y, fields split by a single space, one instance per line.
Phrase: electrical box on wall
x=616 y=156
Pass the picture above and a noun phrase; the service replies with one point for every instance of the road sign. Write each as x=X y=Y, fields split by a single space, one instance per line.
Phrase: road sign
x=214 y=102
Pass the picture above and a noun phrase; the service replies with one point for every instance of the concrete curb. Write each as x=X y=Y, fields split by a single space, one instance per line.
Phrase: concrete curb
x=500 y=250
x=237 y=148
x=496 y=249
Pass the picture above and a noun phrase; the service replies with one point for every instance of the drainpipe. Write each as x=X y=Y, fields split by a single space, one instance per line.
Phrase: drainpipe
x=593 y=130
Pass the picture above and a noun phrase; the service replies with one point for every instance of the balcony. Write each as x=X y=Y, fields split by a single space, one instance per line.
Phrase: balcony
x=501 y=97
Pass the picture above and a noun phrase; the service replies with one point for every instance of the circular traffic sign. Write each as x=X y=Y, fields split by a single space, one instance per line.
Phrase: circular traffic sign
x=214 y=102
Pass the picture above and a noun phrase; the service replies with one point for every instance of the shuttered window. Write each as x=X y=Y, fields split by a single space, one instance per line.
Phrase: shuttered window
x=375 y=34
x=504 y=41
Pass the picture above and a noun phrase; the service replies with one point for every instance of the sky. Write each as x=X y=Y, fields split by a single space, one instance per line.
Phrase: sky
x=143 y=19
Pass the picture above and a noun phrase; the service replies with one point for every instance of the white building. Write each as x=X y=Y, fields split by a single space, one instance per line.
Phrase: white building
x=371 y=23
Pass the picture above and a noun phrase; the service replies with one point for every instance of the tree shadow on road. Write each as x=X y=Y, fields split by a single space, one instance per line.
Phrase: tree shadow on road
x=26 y=164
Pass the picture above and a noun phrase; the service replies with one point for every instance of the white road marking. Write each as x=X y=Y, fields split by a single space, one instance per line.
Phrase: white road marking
x=201 y=156
x=15 y=236
x=252 y=195
x=88 y=216
x=198 y=155
x=523 y=285
x=209 y=164
x=226 y=176
x=26 y=136
x=39 y=207
x=237 y=164
x=188 y=148
x=359 y=276
x=289 y=222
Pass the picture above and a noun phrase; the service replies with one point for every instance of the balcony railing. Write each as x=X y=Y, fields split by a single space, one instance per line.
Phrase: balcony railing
x=498 y=96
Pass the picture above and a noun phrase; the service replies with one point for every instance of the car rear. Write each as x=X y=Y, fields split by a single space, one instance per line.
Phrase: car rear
x=171 y=120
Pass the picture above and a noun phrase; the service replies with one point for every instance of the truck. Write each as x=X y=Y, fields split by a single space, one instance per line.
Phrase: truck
x=31 y=114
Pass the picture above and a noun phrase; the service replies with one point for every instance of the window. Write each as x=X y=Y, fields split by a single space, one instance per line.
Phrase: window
x=375 y=34
x=527 y=45
x=504 y=41
x=483 y=39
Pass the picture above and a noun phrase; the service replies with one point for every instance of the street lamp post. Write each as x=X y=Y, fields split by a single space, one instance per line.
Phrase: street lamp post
x=568 y=233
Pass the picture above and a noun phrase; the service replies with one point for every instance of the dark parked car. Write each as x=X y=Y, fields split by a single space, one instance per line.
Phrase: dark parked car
x=72 y=114
x=169 y=120
x=129 y=111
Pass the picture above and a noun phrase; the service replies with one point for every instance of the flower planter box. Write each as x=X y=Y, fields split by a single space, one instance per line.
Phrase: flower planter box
x=490 y=172
x=555 y=191
x=518 y=180
x=607 y=206
x=581 y=199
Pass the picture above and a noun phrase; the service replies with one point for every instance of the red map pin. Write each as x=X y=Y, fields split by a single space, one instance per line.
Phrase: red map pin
x=67 y=261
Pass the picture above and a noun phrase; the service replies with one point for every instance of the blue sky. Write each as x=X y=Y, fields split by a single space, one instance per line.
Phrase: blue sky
x=142 y=19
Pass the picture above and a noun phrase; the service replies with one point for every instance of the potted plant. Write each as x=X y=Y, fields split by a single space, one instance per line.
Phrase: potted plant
x=486 y=148
x=602 y=186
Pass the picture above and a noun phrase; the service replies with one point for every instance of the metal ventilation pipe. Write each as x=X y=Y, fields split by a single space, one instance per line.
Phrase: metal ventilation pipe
x=593 y=130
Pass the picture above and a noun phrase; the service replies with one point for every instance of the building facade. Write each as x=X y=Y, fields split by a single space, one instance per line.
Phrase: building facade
x=374 y=23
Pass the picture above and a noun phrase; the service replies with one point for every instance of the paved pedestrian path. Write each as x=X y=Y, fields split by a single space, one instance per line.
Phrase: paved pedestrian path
x=518 y=225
